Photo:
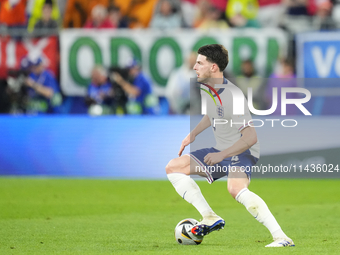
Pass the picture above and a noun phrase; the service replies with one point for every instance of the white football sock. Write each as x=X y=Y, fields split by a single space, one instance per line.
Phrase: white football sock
x=258 y=208
x=188 y=189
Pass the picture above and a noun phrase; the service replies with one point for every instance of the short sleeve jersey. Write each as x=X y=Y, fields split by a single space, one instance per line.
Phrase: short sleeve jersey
x=226 y=126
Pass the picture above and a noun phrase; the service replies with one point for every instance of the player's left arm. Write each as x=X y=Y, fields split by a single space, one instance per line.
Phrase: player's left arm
x=248 y=139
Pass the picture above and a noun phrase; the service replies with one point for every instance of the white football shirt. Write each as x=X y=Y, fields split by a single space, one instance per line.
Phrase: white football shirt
x=226 y=126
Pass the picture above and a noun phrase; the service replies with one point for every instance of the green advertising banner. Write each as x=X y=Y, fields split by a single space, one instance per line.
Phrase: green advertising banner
x=160 y=52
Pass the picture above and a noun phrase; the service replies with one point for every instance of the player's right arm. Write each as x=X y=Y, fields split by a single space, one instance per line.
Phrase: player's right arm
x=201 y=126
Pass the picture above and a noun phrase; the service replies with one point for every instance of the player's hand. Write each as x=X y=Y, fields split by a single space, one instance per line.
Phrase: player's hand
x=213 y=158
x=187 y=140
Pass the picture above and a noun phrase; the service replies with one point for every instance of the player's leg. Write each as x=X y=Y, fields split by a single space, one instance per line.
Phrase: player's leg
x=238 y=183
x=178 y=171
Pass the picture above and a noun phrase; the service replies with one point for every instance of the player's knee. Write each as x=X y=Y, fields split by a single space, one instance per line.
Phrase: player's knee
x=174 y=166
x=234 y=190
x=168 y=168
x=171 y=167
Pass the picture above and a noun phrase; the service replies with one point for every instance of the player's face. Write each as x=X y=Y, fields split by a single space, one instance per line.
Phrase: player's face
x=202 y=68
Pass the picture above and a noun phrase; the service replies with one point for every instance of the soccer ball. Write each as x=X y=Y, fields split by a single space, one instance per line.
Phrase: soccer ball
x=183 y=233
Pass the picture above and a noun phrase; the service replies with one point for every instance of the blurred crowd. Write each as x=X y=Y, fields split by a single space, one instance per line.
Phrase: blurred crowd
x=128 y=90
x=292 y=15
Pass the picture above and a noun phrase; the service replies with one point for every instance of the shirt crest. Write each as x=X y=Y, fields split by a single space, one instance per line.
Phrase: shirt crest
x=220 y=111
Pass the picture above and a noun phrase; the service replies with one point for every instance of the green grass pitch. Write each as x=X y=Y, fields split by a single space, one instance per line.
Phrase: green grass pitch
x=83 y=216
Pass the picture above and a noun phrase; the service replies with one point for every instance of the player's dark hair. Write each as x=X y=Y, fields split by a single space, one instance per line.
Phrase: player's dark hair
x=215 y=53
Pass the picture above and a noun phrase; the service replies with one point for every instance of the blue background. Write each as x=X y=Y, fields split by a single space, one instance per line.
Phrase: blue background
x=309 y=76
x=310 y=68
x=139 y=147
x=84 y=146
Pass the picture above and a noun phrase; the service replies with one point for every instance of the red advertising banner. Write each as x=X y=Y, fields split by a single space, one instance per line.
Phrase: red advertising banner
x=12 y=51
